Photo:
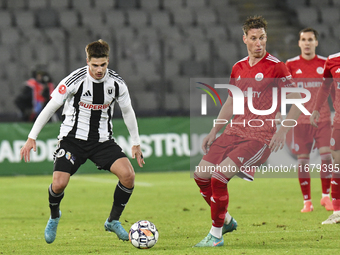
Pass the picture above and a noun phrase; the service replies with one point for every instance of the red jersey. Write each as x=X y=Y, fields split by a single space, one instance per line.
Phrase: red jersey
x=308 y=74
x=332 y=77
x=269 y=72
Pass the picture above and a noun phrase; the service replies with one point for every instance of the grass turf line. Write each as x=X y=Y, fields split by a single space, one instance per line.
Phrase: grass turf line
x=267 y=212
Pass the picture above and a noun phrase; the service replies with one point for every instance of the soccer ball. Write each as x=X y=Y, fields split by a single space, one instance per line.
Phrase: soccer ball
x=143 y=234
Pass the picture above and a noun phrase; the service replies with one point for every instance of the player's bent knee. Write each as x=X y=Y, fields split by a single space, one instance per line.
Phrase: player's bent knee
x=128 y=179
x=60 y=181
x=58 y=186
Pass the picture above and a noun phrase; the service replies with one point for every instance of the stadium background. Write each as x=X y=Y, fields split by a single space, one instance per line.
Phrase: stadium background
x=156 y=46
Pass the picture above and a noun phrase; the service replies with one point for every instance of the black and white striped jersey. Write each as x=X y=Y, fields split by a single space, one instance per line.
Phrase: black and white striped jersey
x=89 y=103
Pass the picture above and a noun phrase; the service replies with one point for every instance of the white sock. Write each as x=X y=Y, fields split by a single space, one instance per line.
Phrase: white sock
x=227 y=218
x=216 y=232
x=307 y=201
x=325 y=195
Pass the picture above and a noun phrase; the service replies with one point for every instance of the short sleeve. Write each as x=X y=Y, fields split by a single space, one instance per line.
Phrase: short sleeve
x=283 y=76
x=288 y=65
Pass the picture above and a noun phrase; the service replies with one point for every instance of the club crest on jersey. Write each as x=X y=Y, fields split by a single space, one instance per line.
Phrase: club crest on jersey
x=332 y=142
x=110 y=91
x=259 y=76
x=319 y=70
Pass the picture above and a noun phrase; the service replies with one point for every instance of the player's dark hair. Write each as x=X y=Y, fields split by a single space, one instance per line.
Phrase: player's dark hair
x=254 y=22
x=309 y=29
x=97 y=49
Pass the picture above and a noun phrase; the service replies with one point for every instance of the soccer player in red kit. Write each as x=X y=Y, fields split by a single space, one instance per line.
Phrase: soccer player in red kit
x=242 y=146
x=307 y=71
x=332 y=78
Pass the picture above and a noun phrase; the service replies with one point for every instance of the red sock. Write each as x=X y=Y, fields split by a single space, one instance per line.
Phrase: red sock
x=205 y=187
x=335 y=183
x=304 y=178
x=326 y=172
x=220 y=198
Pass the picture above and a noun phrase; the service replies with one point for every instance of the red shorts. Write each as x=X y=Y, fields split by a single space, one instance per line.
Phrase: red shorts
x=303 y=136
x=244 y=152
x=335 y=137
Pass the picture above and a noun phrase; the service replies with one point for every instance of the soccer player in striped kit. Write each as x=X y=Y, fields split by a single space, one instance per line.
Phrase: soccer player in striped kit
x=88 y=95
x=307 y=71
x=332 y=78
x=241 y=147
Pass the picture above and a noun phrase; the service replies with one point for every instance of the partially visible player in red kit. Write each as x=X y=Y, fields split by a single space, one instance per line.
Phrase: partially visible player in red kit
x=307 y=71
x=241 y=147
x=332 y=78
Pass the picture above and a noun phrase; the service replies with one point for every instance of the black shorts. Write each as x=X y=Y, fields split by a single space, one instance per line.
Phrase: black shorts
x=71 y=153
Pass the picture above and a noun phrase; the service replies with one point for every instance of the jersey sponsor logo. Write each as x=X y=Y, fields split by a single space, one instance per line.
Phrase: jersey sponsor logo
x=309 y=84
x=254 y=94
x=319 y=70
x=337 y=70
x=94 y=106
x=62 y=89
x=298 y=71
x=87 y=94
x=259 y=76
x=313 y=84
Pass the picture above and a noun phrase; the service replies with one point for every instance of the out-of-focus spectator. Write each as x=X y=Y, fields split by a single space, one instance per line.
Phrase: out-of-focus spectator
x=35 y=94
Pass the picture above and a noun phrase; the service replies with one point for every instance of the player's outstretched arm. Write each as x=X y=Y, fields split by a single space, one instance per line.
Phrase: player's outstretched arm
x=131 y=124
x=26 y=149
x=137 y=153
x=51 y=107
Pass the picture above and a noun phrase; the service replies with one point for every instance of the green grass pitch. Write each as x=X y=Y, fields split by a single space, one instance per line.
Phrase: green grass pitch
x=267 y=212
